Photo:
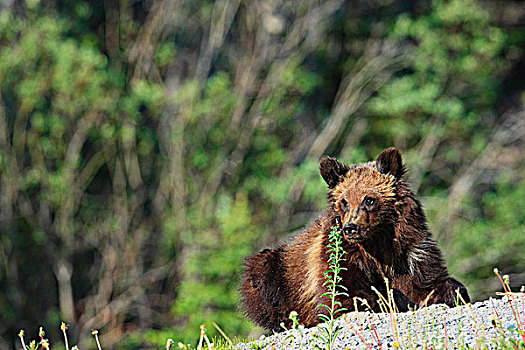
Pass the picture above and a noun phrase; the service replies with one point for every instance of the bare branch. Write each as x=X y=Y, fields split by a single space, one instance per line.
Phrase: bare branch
x=511 y=130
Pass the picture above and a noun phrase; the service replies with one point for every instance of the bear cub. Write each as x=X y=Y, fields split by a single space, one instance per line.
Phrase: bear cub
x=385 y=236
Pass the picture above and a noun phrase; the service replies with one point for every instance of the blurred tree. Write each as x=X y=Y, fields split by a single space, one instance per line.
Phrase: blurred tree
x=76 y=162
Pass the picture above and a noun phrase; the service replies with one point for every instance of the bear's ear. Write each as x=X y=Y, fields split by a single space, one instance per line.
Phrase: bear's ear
x=390 y=162
x=332 y=171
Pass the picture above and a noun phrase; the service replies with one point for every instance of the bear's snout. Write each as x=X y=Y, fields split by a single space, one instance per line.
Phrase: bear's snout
x=350 y=229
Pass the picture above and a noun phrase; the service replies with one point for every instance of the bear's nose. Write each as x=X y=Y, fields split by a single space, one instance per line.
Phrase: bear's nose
x=350 y=228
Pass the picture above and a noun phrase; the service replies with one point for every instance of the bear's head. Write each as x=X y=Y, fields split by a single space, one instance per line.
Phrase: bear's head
x=363 y=197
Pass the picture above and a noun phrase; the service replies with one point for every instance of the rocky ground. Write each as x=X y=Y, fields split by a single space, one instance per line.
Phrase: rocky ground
x=478 y=325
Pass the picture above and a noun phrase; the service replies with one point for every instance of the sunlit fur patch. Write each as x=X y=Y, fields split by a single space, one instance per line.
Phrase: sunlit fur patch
x=309 y=289
x=420 y=253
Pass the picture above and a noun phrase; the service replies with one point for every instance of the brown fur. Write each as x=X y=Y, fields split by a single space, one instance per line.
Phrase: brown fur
x=384 y=235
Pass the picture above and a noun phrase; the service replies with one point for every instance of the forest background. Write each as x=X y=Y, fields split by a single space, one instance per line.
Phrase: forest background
x=148 y=146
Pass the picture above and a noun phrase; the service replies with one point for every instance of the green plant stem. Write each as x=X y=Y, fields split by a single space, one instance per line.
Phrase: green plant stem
x=336 y=253
x=333 y=290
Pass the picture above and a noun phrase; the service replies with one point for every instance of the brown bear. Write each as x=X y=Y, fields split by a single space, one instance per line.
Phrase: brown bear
x=385 y=236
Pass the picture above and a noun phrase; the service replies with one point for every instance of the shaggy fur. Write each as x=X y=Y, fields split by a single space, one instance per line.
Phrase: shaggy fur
x=384 y=235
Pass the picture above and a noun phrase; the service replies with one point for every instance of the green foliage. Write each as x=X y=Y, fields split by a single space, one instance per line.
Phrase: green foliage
x=498 y=240
x=453 y=71
x=212 y=290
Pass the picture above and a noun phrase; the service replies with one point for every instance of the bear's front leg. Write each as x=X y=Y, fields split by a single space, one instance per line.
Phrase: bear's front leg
x=447 y=293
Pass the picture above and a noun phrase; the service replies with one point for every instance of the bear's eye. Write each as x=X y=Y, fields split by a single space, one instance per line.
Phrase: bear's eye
x=344 y=203
x=369 y=201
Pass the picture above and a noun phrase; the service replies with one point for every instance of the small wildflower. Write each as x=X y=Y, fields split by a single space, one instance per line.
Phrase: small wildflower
x=506 y=278
x=32 y=345
x=41 y=332
x=522 y=289
x=74 y=348
x=365 y=303
x=64 y=327
x=180 y=345
x=45 y=344
x=169 y=343
x=293 y=315
x=95 y=333
x=496 y=271
x=21 y=335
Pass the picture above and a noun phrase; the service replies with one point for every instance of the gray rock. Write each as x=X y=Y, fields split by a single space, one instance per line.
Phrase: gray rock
x=436 y=326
